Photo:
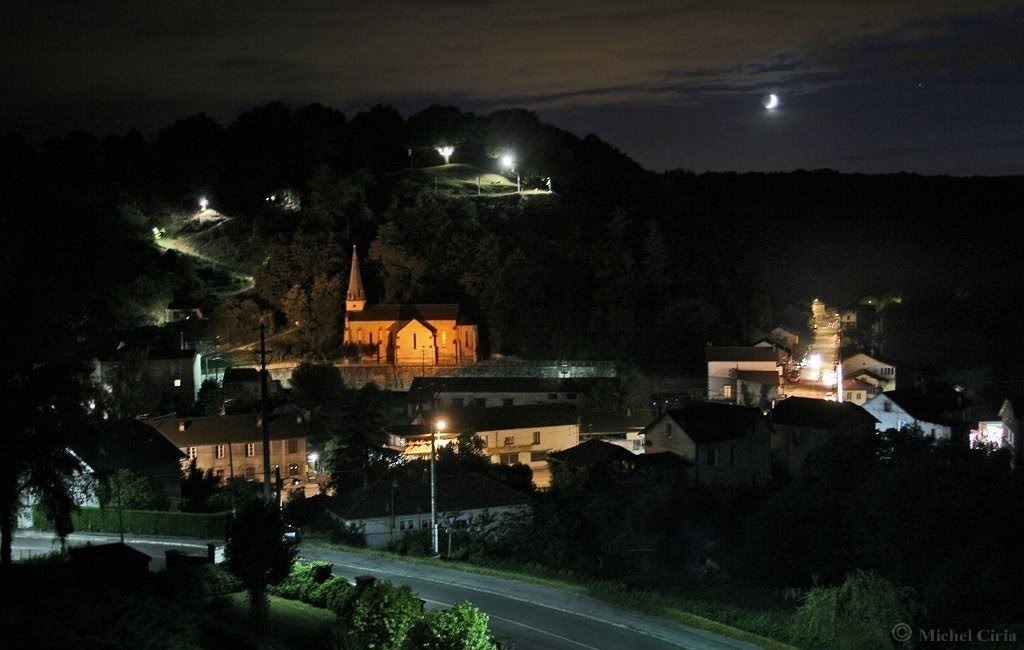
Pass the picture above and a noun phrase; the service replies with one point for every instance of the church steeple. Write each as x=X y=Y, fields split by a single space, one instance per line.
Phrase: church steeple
x=355 y=299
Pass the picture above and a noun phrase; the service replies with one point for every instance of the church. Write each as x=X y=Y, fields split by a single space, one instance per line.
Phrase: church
x=421 y=335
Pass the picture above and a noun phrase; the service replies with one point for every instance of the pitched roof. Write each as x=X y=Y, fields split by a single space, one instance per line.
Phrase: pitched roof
x=740 y=353
x=874 y=357
x=759 y=376
x=707 y=422
x=818 y=413
x=222 y=429
x=423 y=389
x=498 y=418
x=592 y=453
x=124 y=444
x=930 y=402
x=355 y=280
x=421 y=312
x=411 y=496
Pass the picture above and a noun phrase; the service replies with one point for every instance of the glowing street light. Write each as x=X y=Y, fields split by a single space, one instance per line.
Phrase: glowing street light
x=438 y=428
x=203 y=203
x=508 y=161
x=446 y=152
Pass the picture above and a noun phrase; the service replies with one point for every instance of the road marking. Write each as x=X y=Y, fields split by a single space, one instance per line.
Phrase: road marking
x=701 y=634
x=529 y=627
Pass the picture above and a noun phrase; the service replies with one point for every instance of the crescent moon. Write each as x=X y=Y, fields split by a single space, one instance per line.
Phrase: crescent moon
x=773 y=101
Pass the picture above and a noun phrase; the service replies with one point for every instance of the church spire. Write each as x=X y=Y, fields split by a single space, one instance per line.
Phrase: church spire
x=355 y=299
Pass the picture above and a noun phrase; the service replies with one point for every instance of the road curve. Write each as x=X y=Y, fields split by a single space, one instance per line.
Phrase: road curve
x=525 y=616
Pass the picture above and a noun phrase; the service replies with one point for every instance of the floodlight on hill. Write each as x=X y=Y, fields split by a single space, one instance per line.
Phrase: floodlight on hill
x=203 y=203
x=446 y=152
x=508 y=161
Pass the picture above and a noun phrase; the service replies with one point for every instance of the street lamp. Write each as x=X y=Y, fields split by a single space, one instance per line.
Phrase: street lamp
x=203 y=203
x=508 y=161
x=438 y=428
x=446 y=152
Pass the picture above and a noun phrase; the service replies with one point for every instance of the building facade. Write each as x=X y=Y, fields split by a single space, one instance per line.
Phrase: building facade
x=406 y=335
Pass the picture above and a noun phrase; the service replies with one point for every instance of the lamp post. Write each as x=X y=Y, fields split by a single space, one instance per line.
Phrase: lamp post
x=437 y=428
x=509 y=161
x=446 y=152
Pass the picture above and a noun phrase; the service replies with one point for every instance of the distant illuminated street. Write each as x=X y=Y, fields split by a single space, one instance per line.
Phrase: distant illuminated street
x=817 y=376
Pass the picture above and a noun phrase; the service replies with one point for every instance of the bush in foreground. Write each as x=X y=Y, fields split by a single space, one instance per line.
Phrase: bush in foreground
x=860 y=613
x=462 y=627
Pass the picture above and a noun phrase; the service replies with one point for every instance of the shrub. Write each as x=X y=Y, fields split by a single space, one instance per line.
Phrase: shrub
x=313 y=584
x=462 y=627
x=860 y=613
x=383 y=614
x=350 y=535
x=177 y=524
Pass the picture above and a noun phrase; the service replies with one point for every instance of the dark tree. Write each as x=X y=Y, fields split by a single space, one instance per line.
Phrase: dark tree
x=256 y=552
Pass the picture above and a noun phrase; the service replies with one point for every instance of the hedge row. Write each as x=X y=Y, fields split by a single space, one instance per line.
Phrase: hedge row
x=177 y=524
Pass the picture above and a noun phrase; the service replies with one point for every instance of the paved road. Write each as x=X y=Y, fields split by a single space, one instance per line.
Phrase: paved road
x=826 y=347
x=523 y=616
x=529 y=616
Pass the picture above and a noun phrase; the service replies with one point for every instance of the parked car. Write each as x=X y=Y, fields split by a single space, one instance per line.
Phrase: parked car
x=292 y=535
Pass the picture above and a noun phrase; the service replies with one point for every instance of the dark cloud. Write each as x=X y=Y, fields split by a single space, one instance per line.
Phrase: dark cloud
x=558 y=58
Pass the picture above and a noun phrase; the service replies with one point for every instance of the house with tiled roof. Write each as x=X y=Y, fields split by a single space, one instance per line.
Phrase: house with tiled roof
x=389 y=509
x=608 y=460
x=112 y=445
x=726 y=361
x=511 y=434
x=939 y=411
x=872 y=369
x=450 y=393
x=728 y=445
x=802 y=424
x=399 y=334
x=232 y=445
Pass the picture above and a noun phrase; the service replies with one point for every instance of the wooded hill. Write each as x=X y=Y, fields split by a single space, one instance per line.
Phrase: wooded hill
x=617 y=262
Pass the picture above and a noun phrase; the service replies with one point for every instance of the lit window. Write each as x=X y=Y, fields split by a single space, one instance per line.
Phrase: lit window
x=444 y=339
x=220 y=451
x=727 y=391
x=250 y=449
x=536 y=437
x=177 y=383
x=192 y=453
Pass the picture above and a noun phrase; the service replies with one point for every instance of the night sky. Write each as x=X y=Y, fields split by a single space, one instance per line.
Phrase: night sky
x=926 y=86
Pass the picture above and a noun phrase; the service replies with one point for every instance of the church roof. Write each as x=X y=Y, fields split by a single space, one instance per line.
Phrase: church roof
x=355 y=280
x=422 y=312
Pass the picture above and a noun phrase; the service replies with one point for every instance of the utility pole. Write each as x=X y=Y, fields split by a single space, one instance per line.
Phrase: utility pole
x=263 y=413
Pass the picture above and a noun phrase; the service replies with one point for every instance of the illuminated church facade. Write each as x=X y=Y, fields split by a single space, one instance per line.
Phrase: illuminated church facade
x=418 y=334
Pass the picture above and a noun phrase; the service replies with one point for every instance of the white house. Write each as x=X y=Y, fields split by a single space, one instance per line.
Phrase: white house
x=389 y=509
x=881 y=371
x=891 y=414
x=724 y=362
x=511 y=434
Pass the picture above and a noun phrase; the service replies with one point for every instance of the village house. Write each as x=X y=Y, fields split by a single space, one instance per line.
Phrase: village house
x=451 y=393
x=418 y=334
x=110 y=446
x=392 y=508
x=870 y=369
x=725 y=384
x=938 y=411
x=728 y=445
x=802 y=424
x=511 y=434
x=232 y=445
